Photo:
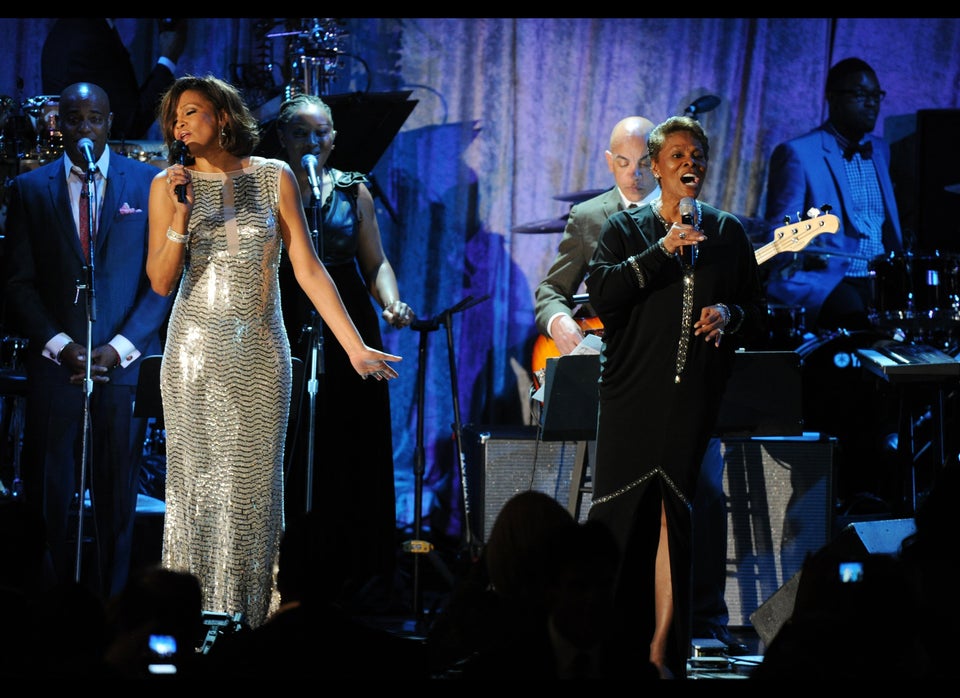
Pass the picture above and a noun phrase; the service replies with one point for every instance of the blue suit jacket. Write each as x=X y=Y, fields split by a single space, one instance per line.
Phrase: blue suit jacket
x=44 y=261
x=808 y=172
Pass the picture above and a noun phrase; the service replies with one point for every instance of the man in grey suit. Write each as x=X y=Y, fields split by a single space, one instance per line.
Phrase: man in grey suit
x=64 y=304
x=629 y=163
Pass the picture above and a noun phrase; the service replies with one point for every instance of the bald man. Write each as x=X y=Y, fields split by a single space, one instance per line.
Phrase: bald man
x=634 y=184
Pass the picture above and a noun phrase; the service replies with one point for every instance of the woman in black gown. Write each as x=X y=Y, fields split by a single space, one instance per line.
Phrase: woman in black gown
x=671 y=326
x=355 y=494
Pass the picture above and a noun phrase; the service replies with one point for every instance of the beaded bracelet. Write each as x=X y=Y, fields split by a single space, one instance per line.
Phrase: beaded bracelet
x=663 y=248
x=725 y=311
x=175 y=236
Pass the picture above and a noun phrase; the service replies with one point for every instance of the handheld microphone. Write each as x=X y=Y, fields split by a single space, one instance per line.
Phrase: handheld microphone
x=688 y=253
x=179 y=152
x=309 y=163
x=86 y=149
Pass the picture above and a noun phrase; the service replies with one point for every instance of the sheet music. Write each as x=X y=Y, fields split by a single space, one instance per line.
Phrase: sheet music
x=590 y=345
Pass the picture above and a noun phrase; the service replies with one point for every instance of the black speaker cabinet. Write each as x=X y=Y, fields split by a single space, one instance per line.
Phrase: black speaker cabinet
x=502 y=461
x=779 y=493
x=856 y=540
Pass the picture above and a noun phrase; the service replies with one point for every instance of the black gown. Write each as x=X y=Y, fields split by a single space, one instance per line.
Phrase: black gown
x=653 y=429
x=353 y=485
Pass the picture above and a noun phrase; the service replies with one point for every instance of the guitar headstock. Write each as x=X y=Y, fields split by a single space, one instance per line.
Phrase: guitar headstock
x=799 y=234
x=793 y=237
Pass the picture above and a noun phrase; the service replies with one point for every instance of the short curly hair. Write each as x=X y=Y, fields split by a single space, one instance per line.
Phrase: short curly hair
x=675 y=124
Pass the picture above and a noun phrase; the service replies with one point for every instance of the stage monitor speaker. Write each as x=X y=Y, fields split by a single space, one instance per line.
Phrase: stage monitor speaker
x=502 y=461
x=856 y=540
x=779 y=493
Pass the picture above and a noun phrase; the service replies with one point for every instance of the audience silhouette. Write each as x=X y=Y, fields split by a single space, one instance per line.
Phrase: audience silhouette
x=536 y=604
x=930 y=557
x=156 y=603
x=539 y=605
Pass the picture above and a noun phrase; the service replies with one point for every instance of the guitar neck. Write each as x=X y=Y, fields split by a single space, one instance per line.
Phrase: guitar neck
x=793 y=237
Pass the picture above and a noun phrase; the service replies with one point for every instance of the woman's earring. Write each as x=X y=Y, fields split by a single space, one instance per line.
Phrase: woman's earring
x=223 y=136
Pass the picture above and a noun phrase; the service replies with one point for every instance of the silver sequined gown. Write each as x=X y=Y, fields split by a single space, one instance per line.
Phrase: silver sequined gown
x=225 y=382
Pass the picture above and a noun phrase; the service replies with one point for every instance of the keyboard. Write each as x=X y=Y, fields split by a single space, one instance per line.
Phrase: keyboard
x=897 y=360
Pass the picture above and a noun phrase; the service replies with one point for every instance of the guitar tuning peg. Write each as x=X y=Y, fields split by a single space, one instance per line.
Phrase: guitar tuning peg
x=826 y=208
x=813 y=212
x=786 y=220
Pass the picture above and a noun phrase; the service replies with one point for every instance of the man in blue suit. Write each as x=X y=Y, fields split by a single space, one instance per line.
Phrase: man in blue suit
x=841 y=165
x=59 y=302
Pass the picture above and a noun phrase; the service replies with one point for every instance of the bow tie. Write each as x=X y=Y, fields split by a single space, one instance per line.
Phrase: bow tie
x=865 y=150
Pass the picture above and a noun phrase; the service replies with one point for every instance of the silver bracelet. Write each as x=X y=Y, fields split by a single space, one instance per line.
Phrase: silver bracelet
x=725 y=311
x=175 y=236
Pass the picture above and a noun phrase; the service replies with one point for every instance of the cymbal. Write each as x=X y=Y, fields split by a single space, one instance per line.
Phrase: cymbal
x=549 y=225
x=577 y=196
x=953 y=188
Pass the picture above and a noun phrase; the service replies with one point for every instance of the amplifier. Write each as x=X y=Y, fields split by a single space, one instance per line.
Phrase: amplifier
x=779 y=508
x=502 y=461
x=779 y=498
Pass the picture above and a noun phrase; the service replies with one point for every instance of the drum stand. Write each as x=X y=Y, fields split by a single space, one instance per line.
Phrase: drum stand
x=418 y=546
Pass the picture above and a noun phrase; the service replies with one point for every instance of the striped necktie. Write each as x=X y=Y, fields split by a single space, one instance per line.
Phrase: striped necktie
x=84 y=213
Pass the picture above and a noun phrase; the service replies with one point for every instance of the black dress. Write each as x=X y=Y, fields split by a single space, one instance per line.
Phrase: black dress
x=353 y=486
x=660 y=393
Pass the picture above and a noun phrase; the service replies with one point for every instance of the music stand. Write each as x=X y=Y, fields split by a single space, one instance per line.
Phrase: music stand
x=366 y=124
x=763 y=396
x=571 y=398
x=570 y=405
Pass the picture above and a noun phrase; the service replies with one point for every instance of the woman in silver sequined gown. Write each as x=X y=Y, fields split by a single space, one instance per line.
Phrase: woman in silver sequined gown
x=226 y=373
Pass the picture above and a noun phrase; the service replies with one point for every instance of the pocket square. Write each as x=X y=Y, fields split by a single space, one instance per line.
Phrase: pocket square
x=126 y=210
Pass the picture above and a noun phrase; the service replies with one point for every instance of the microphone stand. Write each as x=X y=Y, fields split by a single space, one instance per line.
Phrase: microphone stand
x=86 y=285
x=315 y=328
x=418 y=546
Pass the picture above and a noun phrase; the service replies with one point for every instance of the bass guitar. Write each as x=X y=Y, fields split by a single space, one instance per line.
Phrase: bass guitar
x=791 y=237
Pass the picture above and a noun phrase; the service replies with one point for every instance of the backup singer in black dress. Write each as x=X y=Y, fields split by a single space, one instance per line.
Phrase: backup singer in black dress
x=354 y=494
x=664 y=368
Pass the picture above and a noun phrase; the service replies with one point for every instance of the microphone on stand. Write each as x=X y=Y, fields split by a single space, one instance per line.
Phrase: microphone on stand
x=179 y=151
x=309 y=163
x=86 y=149
x=688 y=253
